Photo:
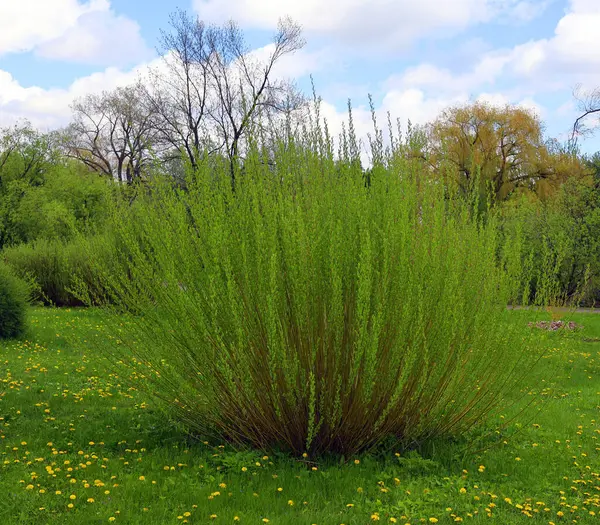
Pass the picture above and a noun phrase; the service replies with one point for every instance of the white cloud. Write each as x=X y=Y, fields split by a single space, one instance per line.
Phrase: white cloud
x=297 y=64
x=24 y=24
x=50 y=108
x=384 y=24
x=557 y=63
x=521 y=10
x=415 y=105
x=69 y=30
x=430 y=77
x=572 y=53
x=99 y=37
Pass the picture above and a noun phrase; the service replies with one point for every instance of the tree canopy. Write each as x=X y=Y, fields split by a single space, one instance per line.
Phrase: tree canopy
x=503 y=148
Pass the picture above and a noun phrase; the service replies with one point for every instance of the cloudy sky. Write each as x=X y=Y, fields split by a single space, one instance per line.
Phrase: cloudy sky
x=414 y=56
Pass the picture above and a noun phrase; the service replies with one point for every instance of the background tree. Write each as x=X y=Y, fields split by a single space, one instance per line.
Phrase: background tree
x=112 y=133
x=593 y=163
x=25 y=153
x=25 y=158
x=176 y=94
x=588 y=103
x=501 y=147
x=563 y=229
x=212 y=89
x=44 y=194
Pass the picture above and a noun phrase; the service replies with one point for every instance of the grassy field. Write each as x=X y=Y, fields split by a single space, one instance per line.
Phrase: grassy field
x=80 y=445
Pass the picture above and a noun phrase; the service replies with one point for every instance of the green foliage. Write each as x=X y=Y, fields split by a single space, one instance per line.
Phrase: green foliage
x=57 y=268
x=309 y=312
x=44 y=195
x=593 y=163
x=563 y=236
x=72 y=200
x=14 y=297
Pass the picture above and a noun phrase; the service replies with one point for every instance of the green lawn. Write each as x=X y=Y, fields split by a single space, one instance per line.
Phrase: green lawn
x=79 y=445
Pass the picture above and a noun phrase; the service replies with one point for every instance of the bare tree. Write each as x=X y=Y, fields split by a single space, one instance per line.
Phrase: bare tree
x=243 y=84
x=213 y=89
x=177 y=94
x=112 y=133
x=588 y=103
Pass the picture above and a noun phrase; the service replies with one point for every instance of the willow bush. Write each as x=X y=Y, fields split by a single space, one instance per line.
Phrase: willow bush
x=308 y=311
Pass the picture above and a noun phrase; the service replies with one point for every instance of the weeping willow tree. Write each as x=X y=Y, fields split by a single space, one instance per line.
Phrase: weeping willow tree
x=502 y=149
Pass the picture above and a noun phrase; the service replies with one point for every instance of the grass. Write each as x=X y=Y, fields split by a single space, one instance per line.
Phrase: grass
x=80 y=444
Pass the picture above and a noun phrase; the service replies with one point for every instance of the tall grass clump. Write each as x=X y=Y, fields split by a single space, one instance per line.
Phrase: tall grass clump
x=309 y=311
x=14 y=299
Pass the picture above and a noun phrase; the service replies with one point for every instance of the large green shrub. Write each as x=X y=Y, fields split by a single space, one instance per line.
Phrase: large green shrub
x=14 y=296
x=309 y=312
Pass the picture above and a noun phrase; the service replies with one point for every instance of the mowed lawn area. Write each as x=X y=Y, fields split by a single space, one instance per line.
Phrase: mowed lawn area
x=80 y=444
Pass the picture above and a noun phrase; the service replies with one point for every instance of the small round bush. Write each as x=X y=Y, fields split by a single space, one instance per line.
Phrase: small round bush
x=14 y=298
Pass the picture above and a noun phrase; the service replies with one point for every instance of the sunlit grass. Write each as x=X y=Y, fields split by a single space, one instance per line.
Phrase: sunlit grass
x=79 y=445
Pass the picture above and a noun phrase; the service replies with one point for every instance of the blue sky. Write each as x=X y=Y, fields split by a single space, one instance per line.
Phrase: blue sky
x=414 y=57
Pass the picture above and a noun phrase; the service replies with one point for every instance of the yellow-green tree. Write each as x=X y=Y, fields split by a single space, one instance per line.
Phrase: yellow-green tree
x=500 y=148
